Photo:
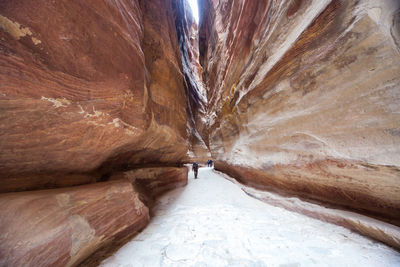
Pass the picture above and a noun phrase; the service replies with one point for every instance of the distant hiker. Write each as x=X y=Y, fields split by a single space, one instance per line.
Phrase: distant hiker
x=195 y=169
x=209 y=163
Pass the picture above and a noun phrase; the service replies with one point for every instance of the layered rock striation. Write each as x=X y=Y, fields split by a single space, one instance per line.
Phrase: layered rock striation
x=303 y=98
x=61 y=227
x=196 y=98
x=102 y=101
x=89 y=90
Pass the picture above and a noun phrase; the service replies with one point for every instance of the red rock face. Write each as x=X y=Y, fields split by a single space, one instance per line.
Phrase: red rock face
x=87 y=89
x=152 y=182
x=303 y=98
x=86 y=85
x=61 y=227
x=196 y=98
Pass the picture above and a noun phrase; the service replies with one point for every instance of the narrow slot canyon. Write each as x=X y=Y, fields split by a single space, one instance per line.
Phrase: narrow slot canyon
x=106 y=105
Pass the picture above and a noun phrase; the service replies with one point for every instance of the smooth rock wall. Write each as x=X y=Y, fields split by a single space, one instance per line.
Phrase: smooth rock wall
x=304 y=98
x=152 y=182
x=88 y=89
x=61 y=227
x=87 y=86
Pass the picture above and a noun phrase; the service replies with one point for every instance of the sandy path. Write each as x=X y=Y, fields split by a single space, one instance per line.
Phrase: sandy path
x=212 y=222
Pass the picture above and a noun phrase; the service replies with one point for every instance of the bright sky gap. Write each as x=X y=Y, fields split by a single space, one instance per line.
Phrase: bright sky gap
x=195 y=9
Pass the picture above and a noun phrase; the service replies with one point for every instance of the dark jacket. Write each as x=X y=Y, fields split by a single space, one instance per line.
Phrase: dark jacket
x=195 y=166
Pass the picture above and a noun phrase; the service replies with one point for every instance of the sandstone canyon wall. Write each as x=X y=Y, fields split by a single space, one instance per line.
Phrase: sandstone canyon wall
x=89 y=91
x=85 y=84
x=60 y=227
x=196 y=97
x=102 y=101
x=304 y=98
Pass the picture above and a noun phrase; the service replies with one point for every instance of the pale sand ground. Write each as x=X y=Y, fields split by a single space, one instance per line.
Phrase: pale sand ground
x=212 y=222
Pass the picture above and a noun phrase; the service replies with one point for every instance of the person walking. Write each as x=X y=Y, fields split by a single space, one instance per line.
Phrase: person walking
x=195 y=169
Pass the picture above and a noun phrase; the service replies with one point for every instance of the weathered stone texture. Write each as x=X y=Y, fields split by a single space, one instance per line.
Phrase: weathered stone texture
x=154 y=181
x=86 y=85
x=304 y=97
x=196 y=97
x=87 y=89
x=61 y=227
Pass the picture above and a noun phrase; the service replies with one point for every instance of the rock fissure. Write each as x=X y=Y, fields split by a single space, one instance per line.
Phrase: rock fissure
x=102 y=103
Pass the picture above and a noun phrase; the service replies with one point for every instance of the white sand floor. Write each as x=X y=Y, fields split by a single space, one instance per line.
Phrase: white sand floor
x=212 y=222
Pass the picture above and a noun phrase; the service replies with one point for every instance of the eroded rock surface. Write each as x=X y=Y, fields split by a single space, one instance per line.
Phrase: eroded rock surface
x=152 y=182
x=85 y=92
x=61 y=227
x=196 y=98
x=88 y=89
x=304 y=98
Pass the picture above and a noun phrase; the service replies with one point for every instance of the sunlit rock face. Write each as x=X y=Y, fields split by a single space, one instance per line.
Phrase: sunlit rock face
x=304 y=98
x=86 y=86
x=196 y=97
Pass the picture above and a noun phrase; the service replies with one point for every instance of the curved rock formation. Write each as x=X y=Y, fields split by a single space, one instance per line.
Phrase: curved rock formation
x=196 y=97
x=304 y=98
x=152 y=182
x=80 y=92
x=87 y=89
x=61 y=227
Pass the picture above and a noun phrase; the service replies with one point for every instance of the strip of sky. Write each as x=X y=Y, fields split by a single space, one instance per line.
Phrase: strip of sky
x=195 y=9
